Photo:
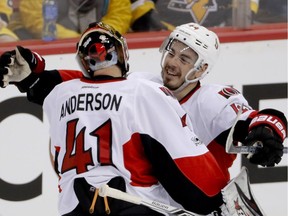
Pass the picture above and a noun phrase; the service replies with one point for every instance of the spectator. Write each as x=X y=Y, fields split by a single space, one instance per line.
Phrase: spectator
x=75 y=15
x=16 y=23
x=6 y=34
x=272 y=11
x=145 y=16
x=206 y=13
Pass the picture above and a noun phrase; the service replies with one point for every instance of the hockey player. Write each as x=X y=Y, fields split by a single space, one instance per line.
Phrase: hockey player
x=189 y=53
x=131 y=134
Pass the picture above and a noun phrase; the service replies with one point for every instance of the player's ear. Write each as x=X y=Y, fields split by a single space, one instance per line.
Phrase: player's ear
x=201 y=69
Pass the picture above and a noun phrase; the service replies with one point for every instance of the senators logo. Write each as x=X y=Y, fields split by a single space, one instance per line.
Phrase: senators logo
x=199 y=9
x=228 y=92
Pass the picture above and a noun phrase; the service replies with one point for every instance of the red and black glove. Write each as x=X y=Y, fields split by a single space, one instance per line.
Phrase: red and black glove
x=269 y=127
x=21 y=67
x=34 y=60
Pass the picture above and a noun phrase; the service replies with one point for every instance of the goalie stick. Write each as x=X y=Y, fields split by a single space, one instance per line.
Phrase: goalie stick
x=105 y=190
x=240 y=149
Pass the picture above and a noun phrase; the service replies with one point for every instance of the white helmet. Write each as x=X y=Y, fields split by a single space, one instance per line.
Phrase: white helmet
x=203 y=41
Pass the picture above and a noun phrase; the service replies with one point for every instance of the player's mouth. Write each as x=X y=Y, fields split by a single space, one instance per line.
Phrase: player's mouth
x=171 y=72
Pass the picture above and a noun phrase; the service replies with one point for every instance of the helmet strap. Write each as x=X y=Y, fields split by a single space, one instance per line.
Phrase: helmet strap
x=187 y=81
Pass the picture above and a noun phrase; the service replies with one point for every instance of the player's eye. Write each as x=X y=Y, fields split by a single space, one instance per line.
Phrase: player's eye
x=185 y=60
x=171 y=53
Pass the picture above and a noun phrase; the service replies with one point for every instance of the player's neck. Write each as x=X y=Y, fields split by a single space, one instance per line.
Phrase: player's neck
x=113 y=71
x=181 y=94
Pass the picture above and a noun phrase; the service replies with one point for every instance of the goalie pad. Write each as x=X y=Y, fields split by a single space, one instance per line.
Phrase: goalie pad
x=238 y=197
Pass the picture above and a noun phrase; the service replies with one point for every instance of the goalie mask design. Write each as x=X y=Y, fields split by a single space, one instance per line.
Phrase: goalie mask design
x=100 y=46
x=203 y=41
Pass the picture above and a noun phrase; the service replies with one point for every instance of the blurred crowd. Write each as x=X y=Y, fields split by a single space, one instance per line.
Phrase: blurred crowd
x=23 y=20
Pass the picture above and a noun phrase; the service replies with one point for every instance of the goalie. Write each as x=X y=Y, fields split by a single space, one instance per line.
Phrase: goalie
x=188 y=55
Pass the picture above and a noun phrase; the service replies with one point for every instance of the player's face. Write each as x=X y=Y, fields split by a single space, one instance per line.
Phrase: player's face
x=179 y=60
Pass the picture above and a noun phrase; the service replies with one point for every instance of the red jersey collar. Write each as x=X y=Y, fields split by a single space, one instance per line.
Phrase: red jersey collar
x=189 y=94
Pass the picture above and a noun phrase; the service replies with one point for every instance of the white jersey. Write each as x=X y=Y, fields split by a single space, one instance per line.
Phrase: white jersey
x=212 y=110
x=130 y=128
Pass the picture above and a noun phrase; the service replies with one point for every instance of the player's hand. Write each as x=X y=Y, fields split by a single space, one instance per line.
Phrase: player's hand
x=18 y=64
x=272 y=150
x=270 y=128
x=6 y=59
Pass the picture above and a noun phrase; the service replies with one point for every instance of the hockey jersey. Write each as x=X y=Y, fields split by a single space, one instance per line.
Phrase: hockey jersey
x=212 y=110
x=136 y=129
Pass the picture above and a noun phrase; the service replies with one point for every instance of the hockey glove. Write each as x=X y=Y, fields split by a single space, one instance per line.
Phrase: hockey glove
x=17 y=65
x=6 y=59
x=270 y=128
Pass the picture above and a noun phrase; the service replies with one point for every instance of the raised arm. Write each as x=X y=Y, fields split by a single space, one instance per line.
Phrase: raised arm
x=26 y=69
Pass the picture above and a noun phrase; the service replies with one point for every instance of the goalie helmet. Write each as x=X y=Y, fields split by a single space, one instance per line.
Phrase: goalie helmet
x=203 y=41
x=101 y=46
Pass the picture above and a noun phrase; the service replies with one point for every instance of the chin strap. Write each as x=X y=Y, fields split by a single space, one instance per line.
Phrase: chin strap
x=187 y=81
